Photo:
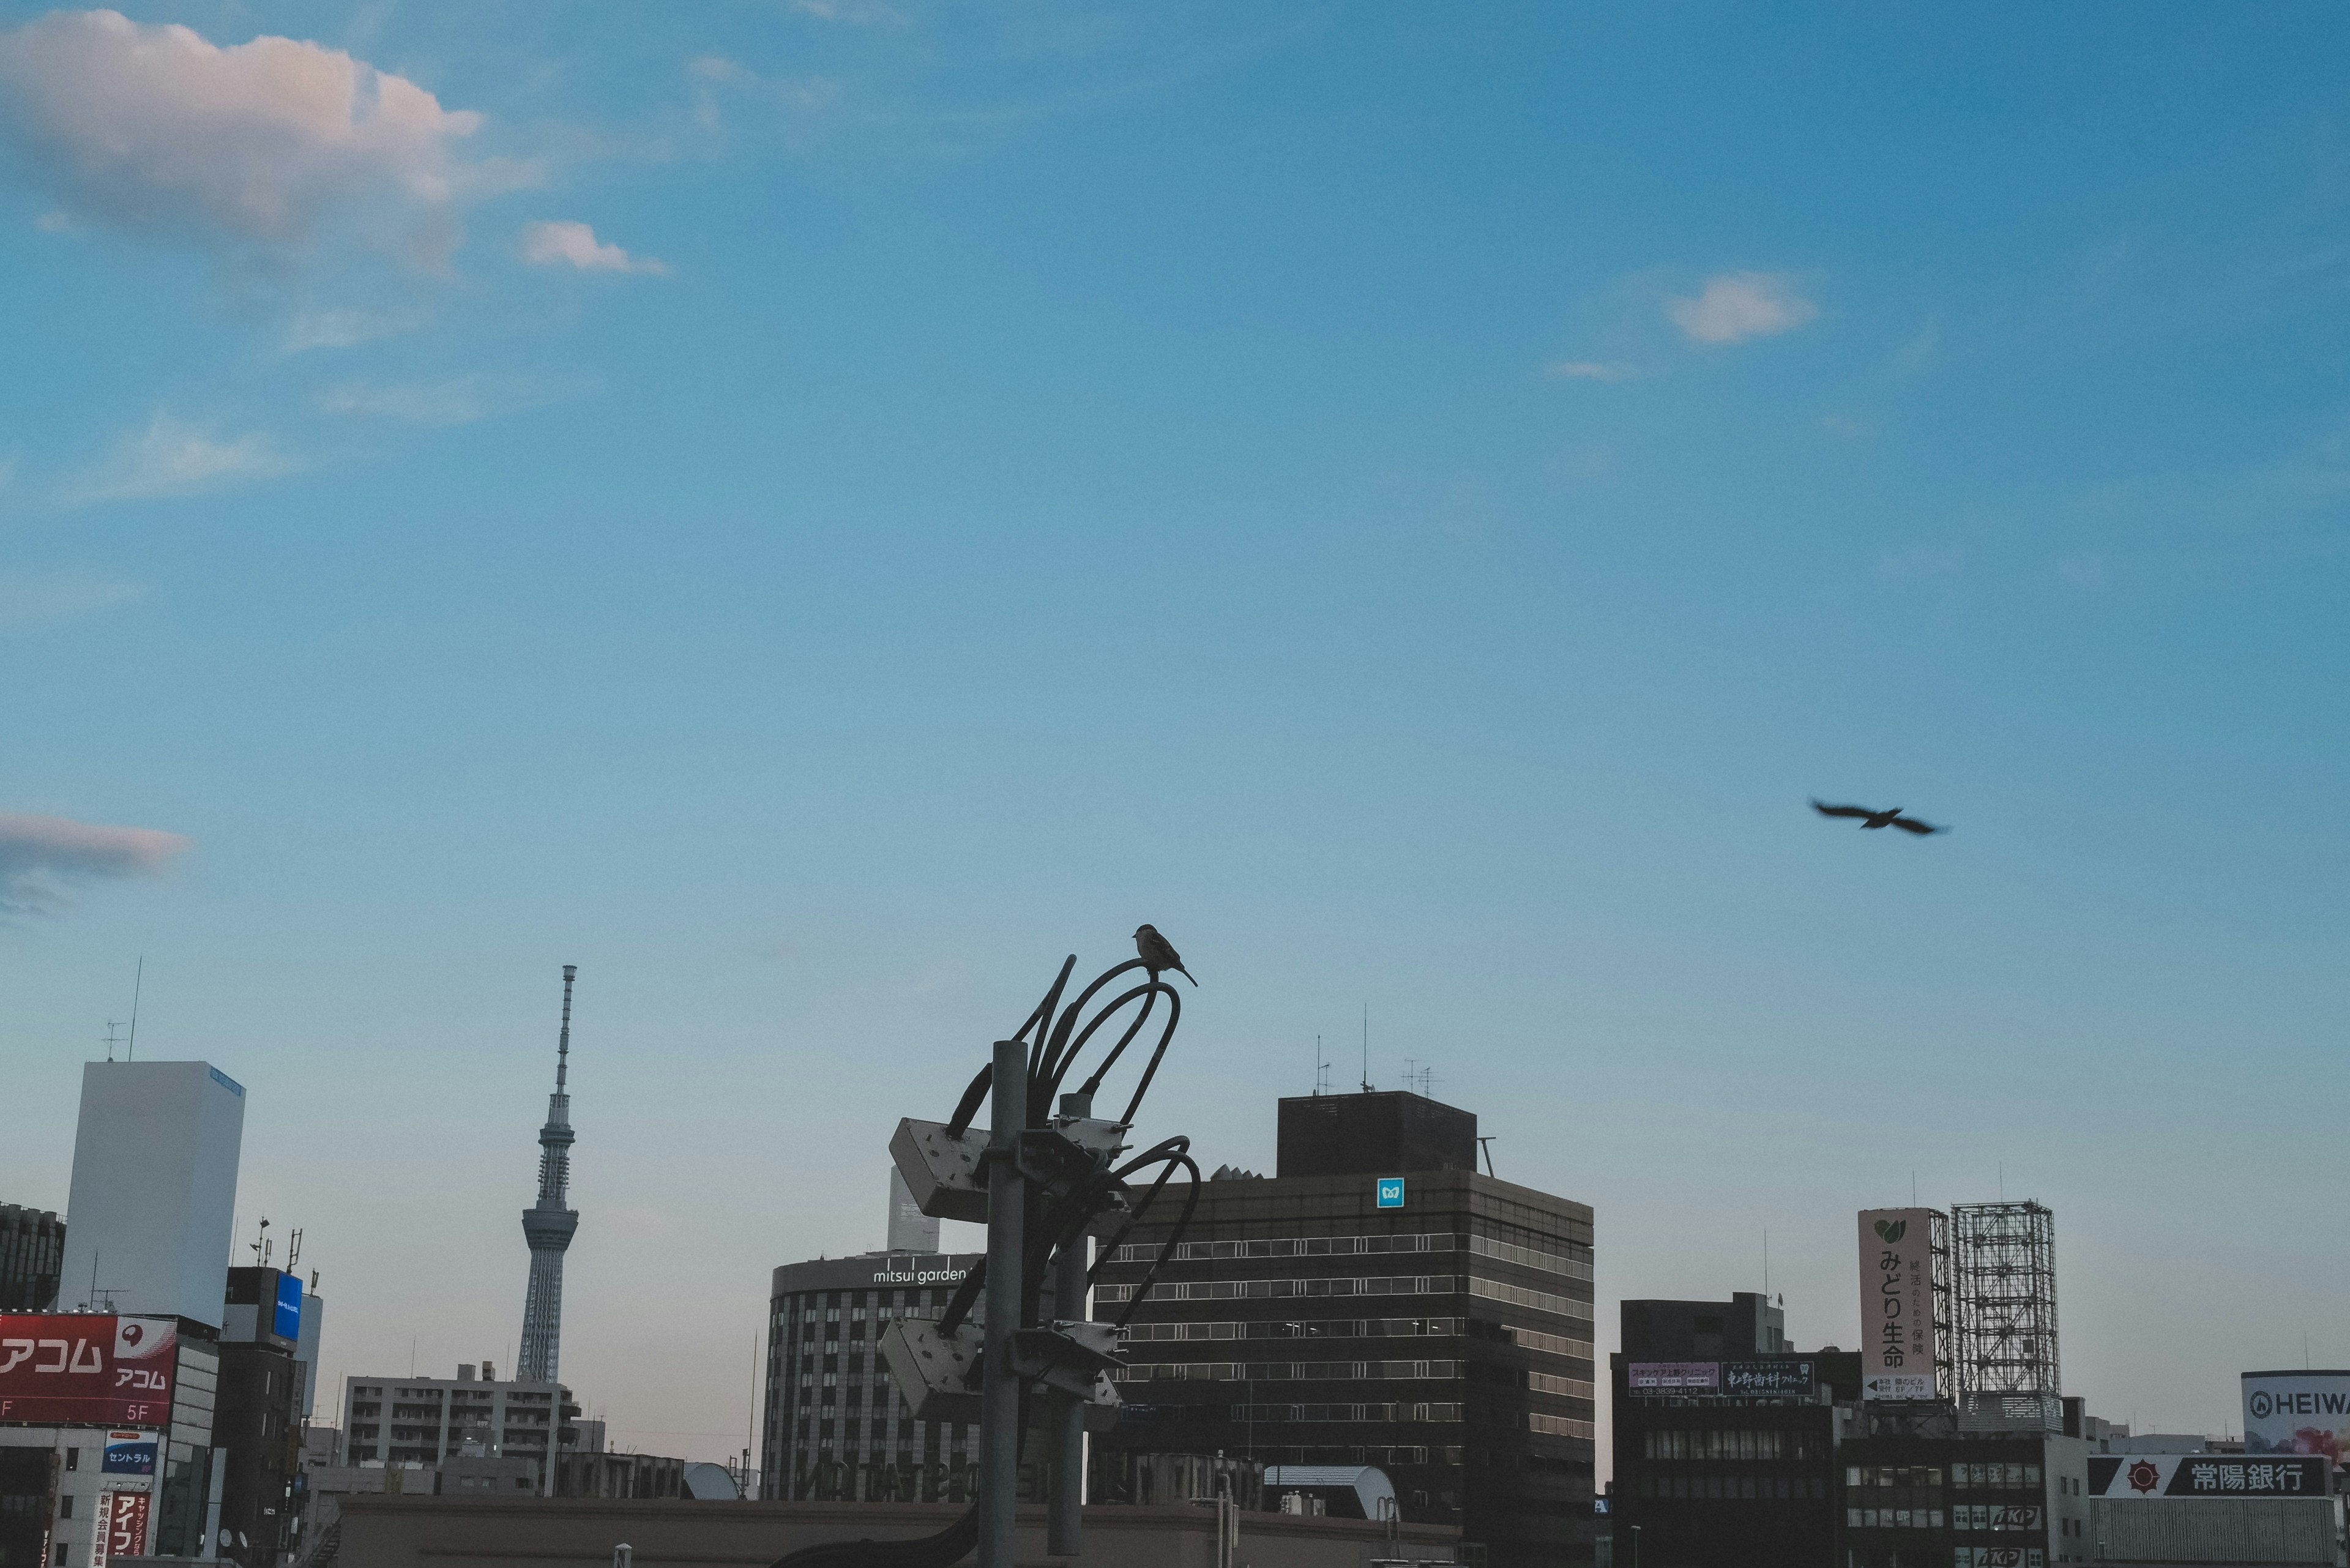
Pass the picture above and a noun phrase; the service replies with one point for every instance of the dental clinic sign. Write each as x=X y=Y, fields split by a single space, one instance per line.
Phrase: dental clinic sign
x=87 y=1370
x=1896 y=1304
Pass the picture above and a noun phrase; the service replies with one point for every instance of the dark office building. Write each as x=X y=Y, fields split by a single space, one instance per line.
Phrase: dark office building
x=1917 y=1499
x=32 y=1250
x=1378 y=1302
x=1725 y=1442
x=1746 y=1325
x=256 y=1420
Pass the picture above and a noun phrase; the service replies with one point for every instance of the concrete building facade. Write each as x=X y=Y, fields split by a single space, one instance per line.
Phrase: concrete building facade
x=1725 y=1441
x=1376 y=1302
x=836 y=1426
x=154 y=1190
x=421 y=1422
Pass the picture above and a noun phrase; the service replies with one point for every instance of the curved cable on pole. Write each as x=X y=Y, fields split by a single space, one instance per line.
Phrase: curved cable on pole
x=1055 y=1048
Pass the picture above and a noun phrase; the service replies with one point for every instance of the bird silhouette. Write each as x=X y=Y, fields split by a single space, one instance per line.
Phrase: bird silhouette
x=1158 y=953
x=1871 y=817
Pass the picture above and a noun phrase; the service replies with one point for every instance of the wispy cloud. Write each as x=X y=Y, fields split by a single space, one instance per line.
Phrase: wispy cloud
x=171 y=457
x=40 y=852
x=561 y=242
x=458 y=400
x=800 y=98
x=255 y=149
x=28 y=603
x=1590 y=370
x=346 y=326
x=1736 y=305
x=1920 y=561
x=854 y=13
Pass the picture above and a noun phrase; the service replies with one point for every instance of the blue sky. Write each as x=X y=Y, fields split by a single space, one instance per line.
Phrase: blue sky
x=811 y=509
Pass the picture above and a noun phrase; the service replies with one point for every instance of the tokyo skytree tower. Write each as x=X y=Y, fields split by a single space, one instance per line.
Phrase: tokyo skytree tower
x=548 y=1225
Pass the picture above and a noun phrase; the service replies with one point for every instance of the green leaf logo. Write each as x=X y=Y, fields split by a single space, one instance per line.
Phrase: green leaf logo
x=1889 y=1230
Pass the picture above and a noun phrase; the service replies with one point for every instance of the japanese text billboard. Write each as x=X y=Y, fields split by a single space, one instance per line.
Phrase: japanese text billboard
x=1768 y=1379
x=87 y=1370
x=1896 y=1304
x=2206 y=1475
x=2297 y=1413
x=1681 y=1376
x=121 y=1526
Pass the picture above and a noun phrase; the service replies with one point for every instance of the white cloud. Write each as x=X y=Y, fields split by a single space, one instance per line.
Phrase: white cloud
x=460 y=400
x=855 y=13
x=1590 y=370
x=255 y=148
x=554 y=243
x=345 y=327
x=30 y=603
x=1736 y=305
x=37 y=852
x=171 y=457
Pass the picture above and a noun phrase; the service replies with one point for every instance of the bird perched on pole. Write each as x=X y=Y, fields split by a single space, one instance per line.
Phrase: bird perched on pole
x=1872 y=817
x=1158 y=953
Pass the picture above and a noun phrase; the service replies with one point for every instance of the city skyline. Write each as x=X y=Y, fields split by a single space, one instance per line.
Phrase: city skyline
x=813 y=512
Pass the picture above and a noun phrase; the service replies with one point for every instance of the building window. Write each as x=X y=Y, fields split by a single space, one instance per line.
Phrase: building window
x=73 y=1458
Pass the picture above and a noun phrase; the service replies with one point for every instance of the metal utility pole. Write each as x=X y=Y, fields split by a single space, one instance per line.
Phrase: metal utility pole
x=1007 y=1199
x=1033 y=1170
x=1065 y=1528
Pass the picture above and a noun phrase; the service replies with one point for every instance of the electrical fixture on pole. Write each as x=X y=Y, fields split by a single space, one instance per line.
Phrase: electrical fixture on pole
x=1046 y=1176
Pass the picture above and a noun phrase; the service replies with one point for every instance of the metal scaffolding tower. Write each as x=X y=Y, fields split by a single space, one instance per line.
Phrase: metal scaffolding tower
x=2004 y=1304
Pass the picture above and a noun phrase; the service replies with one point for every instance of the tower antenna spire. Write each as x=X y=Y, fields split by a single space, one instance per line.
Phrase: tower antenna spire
x=549 y=1224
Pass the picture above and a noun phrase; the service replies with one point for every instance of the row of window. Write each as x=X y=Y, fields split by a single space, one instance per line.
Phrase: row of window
x=1350 y=1285
x=1314 y=1371
x=1391 y=1411
x=1284 y=1371
x=828 y=1305
x=1733 y=1444
x=1736 y=1487
x=1333 y=1246
x=1541 y=1301
x=2014 y=1477
x=1353 y=1328
x=1250 y=1290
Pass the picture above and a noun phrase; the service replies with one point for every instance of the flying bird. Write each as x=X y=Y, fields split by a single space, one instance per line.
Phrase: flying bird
x=1871 y=817
x=1158 y=953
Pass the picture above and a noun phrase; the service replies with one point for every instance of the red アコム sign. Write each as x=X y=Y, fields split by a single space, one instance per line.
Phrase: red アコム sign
x=87 y=1370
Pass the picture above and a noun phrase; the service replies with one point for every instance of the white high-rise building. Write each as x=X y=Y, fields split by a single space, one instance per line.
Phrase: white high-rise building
x=153 y=1200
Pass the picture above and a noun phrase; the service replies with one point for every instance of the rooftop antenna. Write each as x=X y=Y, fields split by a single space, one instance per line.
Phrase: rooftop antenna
x=137 y=983
x=112 y=1039
x=260 y=1245
x=293 y=1251
x=1321 y=1068
x=1766 y=1265
x=1367 y=1048
x=1485 y=1145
